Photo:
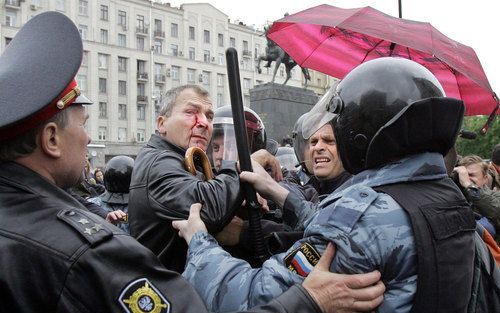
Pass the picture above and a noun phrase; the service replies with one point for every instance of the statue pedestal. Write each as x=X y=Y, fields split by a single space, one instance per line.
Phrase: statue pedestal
x=279 y=107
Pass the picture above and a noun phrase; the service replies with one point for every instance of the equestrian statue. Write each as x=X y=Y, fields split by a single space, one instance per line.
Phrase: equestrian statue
x=278 y=55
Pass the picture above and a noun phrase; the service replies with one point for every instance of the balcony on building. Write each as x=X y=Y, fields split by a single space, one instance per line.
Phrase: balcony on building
x=160 y=78
x=13 y=4
x=143 y=76
x=141 y=31
x=159 y=34
x=142 y=98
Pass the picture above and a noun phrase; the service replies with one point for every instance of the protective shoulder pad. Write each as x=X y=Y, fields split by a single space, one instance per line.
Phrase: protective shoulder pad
x=346 y=211
x=90 y=226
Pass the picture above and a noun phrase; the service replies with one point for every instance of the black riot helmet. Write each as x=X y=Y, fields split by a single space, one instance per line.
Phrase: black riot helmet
x=301 y=143
x=117 y=174
x=223 y=134
x=388 y=108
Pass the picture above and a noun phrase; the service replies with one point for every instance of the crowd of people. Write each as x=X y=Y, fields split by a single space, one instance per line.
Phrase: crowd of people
x=376 y=214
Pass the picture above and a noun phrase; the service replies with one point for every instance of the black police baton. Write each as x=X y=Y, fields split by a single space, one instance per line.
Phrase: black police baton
x=253 y=206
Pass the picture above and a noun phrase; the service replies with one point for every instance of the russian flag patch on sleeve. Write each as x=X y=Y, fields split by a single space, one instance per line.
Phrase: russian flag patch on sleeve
x=302 y=259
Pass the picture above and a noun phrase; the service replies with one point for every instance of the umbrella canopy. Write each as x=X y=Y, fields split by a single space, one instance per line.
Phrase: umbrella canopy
x=334 y=40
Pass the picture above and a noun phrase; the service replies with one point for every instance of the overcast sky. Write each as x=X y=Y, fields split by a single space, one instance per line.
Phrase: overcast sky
x=473 y=23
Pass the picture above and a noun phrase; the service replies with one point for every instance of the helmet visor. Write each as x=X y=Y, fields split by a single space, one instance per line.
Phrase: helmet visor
x=320 y=114
x=223 y=145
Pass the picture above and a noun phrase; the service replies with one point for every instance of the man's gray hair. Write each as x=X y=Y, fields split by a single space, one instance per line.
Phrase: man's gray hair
x=171 y=96
x=25 y=143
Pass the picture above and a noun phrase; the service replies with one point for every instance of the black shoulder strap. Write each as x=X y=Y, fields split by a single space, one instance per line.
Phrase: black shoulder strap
x=443 y=227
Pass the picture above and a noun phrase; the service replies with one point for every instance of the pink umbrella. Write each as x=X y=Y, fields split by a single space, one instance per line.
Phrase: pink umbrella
x=334 y=41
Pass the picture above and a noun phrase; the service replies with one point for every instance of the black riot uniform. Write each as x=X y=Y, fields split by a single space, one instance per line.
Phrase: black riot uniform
x=55 y=256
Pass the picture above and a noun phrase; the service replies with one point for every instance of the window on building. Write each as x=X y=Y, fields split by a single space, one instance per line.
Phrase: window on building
x=122 y=111
x=122 y=64
x=220 y=40
x=158 y=27
x=175 y=72
x=141 y=66
x=10 y=18
x=141 y=112
x=7 y=40
x=206 y=78
x=174 y=31
x=141 y=89
x=104 y=36
x=220 y=80
x=140 y=24
x=141 y=135
x=191 y=74
x=104 y=12
x=140 y=43
x=103 y=131
x=191 y=33
x=246 y=83
x=232 y=42
x=122 y=87
x=83 y=7
x=206 y=36
x=102 y=60
x=83 y=29
x=122 y=134
x=122 y=18
x=158 y=46
x=257 y=50
x=102 y=85
x=85 y=58
x=220 y=100
x=192 y=53
x=122 y=40
x=221 y=59
x=245 y=46
x=103 y=110
x=174 y=50
x=81 y=80
x=61 y=5
x=206 y=56
x=158 y=68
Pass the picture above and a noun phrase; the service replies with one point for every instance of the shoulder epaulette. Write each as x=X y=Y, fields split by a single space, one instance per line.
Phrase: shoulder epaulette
x=93 y=229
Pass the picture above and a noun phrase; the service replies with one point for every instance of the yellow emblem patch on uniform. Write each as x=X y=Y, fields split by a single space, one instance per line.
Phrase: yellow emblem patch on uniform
x=142 y=296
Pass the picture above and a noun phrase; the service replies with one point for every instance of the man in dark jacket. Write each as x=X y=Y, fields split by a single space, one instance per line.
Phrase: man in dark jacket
x=55 y=255
x=162 y=190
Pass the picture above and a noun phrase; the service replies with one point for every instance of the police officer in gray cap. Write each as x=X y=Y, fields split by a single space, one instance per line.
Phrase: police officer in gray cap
x=54 y=255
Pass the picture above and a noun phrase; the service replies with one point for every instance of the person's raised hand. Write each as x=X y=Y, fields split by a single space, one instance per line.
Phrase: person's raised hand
x=187 y=228
x=339 y=293
x=268 y=161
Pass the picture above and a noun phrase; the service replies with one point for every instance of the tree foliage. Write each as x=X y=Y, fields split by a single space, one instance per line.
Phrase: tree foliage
x=483 y=144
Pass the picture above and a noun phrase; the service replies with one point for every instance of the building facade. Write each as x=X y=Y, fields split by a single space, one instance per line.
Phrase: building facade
x=136 y=50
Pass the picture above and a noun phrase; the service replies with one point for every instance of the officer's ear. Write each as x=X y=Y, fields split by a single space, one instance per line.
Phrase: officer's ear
x=50 y=141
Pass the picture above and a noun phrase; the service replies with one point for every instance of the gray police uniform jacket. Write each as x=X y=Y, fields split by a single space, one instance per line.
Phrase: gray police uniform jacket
x=57 y=257
x=371 y=232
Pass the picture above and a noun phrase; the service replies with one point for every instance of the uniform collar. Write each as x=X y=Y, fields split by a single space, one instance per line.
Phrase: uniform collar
x=30 y=181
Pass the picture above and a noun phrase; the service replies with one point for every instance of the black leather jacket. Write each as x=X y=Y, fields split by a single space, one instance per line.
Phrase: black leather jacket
x=57 y=257
x=161 y=190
